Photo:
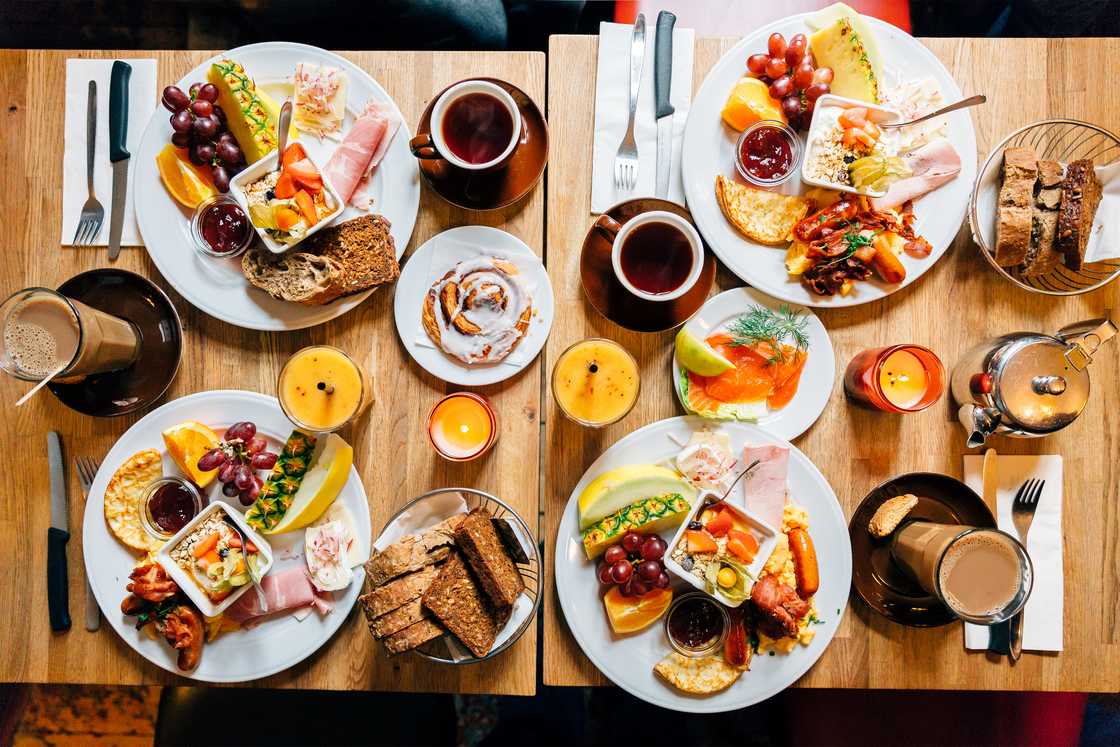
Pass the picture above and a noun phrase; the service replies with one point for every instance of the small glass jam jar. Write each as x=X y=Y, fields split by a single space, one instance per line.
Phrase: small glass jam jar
x=768 y=153
x=167 y=505
x=221 y=228
x=696 y=624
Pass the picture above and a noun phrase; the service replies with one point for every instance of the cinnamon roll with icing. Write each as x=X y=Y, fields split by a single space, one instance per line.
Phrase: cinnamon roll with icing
x=478 y=311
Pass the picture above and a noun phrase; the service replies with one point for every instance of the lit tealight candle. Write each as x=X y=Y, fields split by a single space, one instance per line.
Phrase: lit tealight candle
x=462 y=426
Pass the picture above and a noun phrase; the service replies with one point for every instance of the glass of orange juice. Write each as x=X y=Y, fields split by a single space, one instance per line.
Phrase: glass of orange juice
x=462 y=426
x=897 y=378
x=321 y=389
x=596 y=382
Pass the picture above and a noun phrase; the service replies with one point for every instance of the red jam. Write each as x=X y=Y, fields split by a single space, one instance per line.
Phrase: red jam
x=225 y=227
x=696 y=623
x=766 y=154
x=171 y=507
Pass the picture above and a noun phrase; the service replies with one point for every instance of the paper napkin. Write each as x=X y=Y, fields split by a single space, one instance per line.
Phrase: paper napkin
x=1042 y=617
x=141 y=104
x=612 y=112
x=1104 y=241
x=450 y=252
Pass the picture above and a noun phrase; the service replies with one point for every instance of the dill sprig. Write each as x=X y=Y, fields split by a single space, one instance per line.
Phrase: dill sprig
x=761 y=324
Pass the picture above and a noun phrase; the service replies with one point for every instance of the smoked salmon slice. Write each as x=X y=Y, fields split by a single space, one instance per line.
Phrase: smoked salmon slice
x=760 y=373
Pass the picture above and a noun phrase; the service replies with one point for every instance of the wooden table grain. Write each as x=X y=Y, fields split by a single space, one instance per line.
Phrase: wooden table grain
x=956 y=304
x=391 y=450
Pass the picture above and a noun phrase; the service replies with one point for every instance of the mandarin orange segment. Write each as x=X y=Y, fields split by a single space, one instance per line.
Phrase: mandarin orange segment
x=631 y=614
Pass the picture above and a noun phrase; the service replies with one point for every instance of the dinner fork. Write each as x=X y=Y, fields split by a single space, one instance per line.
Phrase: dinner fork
x=93 y=214
x=1022 y=514
x=87 y=470
x=626 y=160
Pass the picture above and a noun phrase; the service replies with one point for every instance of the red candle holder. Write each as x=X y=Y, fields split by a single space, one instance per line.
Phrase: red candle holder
x=896 y=378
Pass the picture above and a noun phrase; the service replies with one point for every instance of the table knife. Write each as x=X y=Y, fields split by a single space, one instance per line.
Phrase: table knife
x=663 y=110
x=58 y=591
x=999 y=635
x=118 y=153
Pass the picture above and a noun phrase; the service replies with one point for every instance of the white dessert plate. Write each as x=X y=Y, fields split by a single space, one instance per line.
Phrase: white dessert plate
x=435 y=257
x=817 y=377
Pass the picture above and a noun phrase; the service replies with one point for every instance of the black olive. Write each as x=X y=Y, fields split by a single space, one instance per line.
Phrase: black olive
x=695 y=525
x=849 y=159
x=270 y=195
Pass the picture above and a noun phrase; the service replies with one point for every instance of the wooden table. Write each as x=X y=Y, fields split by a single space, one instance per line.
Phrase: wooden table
x=957 y=303
x=391 y=450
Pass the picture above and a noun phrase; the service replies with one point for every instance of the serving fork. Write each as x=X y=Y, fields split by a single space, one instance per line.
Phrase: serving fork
x=1022 y=514
x=87 y=470
x=626 y=160
x=93 y=214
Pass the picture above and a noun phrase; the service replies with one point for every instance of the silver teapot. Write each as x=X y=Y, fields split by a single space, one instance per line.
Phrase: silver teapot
x=1026 y=384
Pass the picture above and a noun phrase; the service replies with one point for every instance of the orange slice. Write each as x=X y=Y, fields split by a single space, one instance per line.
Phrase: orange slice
x=184 y=181
x=186 y=443
x=631 y=614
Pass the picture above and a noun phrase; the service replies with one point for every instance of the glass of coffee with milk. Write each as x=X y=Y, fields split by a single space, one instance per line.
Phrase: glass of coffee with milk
x=47 y=334
x=983 y=575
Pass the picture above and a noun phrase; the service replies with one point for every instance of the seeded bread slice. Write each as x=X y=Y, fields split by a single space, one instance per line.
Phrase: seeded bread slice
x=364 y=250
x=297 y=277
x=1015 y=215
x=413 y=552
x=488 y=559
x=1081 y=194
x=398 y=592
x=398 y=619
x=456 y=599
x=414 y=635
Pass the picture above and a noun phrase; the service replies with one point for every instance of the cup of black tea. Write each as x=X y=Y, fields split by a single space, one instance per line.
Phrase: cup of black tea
x=475 y=126
x=657 y=256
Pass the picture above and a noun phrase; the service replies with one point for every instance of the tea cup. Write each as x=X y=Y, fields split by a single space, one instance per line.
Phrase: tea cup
x=434 y=145
x=618 y=234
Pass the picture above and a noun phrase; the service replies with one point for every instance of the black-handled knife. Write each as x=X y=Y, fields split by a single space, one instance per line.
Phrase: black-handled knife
x=58 y=584
x=663 y=110
x=118 y=153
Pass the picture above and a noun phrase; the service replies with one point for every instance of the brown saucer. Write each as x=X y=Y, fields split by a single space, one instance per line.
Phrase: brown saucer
x=619 y=305
x=135 y=298
x=877 y=578
x=494 y=189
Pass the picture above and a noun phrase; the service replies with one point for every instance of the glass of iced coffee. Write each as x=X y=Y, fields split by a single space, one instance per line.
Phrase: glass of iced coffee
x=983 y=575
x=44 y=332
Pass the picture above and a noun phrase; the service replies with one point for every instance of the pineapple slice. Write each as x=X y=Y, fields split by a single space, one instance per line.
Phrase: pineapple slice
x=279 y=489
x=251 y=113
x=840 y=47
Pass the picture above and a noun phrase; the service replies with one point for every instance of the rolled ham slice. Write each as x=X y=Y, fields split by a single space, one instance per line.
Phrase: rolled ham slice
x=287 y=591
x=361 y=151
x=934 y=164
x=766 y=484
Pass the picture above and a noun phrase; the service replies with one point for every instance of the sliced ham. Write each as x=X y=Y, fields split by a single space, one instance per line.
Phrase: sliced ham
x=287 y=591
x=766 y=484
x=934 y=164
x=361 y=151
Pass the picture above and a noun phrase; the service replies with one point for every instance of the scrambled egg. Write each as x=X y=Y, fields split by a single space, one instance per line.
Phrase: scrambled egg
x=780 y=564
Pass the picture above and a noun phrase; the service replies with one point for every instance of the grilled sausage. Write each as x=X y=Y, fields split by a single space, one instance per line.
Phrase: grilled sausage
x=804 y=563
x=886 y=263
x=831 y=218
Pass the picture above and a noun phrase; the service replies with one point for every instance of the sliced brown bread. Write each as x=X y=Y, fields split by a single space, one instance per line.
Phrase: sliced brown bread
x=414 y=635
x=491 y=564
x=398 y=592
x=338 y=261
x=462 y=607
x=412 y=552
x=1081 y=194
x=1042 y=257
x=398 y=619
x=1015 y=215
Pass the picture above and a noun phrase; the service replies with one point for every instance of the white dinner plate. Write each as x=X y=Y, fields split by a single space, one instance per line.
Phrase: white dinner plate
x=629 y=660
x=709 y=149
x=216 y=286
x=447 y=248
x=816 y=378
x=242 y=655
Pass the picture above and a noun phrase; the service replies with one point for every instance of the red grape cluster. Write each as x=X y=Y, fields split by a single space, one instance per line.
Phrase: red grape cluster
x=200 y=125
x=793 y=78
x=635 y=564
x=237 y=459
